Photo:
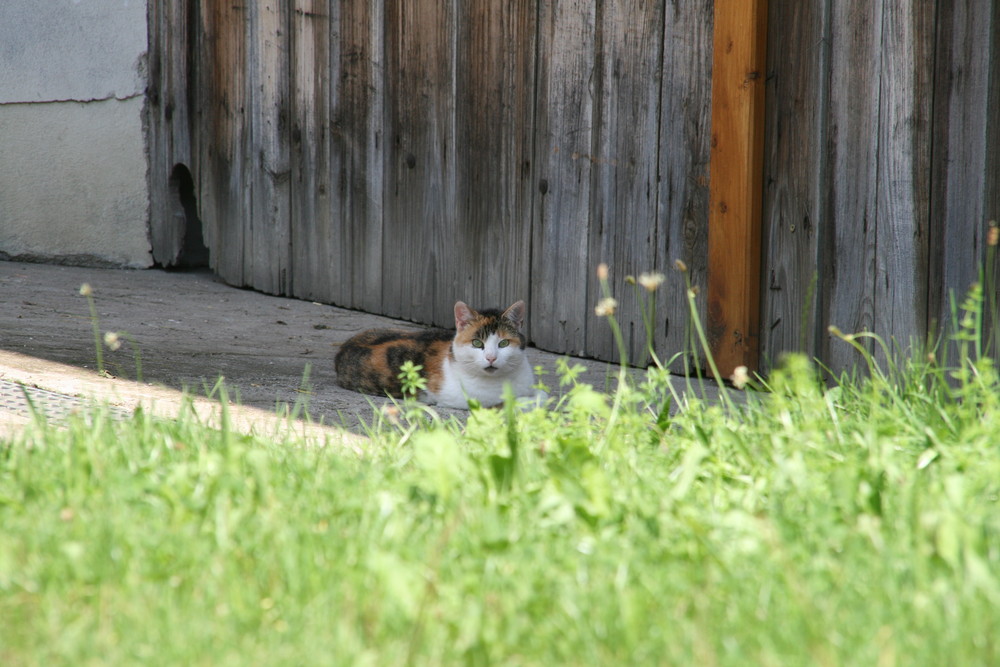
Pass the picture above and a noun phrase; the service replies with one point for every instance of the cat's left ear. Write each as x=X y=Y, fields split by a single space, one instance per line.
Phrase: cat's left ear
x=515 y=315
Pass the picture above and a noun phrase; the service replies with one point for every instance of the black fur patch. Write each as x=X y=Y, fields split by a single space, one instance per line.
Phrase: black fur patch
x=398 y=354
x=370 y=361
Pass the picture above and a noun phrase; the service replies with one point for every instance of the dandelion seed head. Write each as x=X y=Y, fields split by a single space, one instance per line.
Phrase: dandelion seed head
x=85 y=290
x=740 y=377
x=112 y=340
x=606 y=307
x=651 y=281
x=602 y=271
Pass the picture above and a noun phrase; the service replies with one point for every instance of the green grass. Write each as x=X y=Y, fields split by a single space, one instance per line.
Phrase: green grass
x=852 y=525
x=856 y=523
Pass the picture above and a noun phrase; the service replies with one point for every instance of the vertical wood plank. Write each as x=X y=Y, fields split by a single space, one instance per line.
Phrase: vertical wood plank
x=903 y=186
x=623 y=156
x=170 y=44
x=991 y=204
x=992 y=180
x=793 y=177
x=313 y=252
x=222 y=137
x=419 y=272
x=855 y=63
x=358 y=151
x=965 y=174
x=564 y=118
x=495 y=68
x=735 y=183
x=269 y=246
x=684 y=146
x=991 y=197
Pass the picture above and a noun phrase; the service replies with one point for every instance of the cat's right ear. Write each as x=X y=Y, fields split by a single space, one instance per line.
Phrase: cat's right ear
x=463 y=315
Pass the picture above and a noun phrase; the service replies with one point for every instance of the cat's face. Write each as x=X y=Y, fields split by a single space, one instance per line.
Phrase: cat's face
x=489 y=342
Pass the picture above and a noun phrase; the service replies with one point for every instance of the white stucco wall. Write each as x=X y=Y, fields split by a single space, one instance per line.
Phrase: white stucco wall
x=73 y=158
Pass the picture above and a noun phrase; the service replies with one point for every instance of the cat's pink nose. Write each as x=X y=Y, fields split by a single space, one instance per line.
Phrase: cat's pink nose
x=491 y=358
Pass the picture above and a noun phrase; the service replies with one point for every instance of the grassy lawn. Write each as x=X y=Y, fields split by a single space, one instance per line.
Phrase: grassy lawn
x=852 y=525
x=856 y=523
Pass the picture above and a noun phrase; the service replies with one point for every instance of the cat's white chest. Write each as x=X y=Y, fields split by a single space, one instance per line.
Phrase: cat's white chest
x=460 y=384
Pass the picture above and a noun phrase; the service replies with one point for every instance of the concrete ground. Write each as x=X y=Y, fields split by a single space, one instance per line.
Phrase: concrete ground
x=188 y=328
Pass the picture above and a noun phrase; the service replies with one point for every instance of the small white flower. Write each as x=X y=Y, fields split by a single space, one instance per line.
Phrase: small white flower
x=85 y=290
x=651 y=280
x=112 y=341
x=606 y=307
x=602 y=271
x=740 y=377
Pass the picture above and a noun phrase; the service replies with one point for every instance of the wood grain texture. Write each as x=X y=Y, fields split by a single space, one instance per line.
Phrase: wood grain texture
x=855 y=64
x=448 y=123
x=396 y=156
x=903 y=175
x=564 y=118
x=735 y=183
x=624 y=162
x=222 y=142
x=990 y=37
x=991 y=196
x=901 y=136
x=418 y=282
x=495 y=69
x=170 y=70
x=313 y=249
x=359 y=148
x=683 y=161
x=794 y=199
x=883 y=271
x=269 y=240
x=965 y=174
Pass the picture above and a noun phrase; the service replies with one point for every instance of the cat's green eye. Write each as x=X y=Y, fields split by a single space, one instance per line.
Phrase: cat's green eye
x=503 y=343
x=477 y=343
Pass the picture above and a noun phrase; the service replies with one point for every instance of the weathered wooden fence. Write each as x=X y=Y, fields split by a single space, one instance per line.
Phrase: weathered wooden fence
x=398 y=155
x=882 y=167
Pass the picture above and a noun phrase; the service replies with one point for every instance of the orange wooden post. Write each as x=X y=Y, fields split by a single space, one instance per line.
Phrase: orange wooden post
x=735 y=182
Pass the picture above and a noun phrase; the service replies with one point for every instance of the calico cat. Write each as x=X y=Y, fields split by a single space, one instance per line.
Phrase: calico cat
x=485 y=352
